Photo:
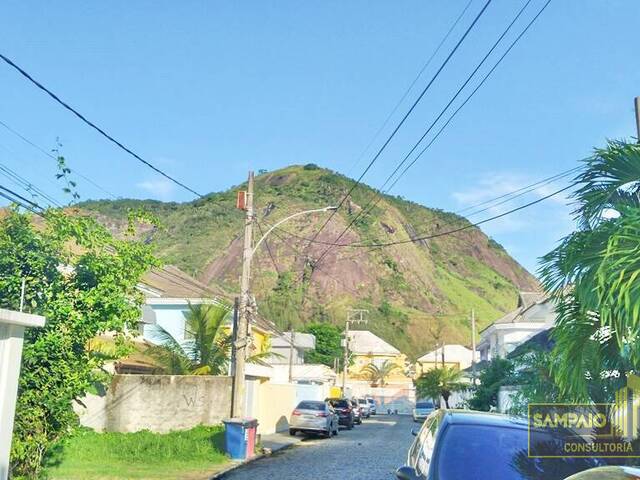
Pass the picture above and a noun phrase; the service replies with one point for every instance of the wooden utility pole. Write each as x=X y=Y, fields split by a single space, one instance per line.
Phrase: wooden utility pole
x=473 y=345
x=360 y=314
x=243 y=314
x=346 y=355
x=637 y=104
x=292 y=339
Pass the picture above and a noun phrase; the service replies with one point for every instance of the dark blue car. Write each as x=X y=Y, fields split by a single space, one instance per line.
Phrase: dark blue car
x=460 y=444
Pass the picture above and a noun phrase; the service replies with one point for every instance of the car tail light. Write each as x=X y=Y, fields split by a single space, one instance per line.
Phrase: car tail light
x=296 y=413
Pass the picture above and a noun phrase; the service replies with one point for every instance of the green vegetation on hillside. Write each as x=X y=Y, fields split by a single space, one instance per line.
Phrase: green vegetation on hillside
x=405 y=287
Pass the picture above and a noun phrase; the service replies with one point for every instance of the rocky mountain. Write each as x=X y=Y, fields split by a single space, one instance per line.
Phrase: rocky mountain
x=416 y=292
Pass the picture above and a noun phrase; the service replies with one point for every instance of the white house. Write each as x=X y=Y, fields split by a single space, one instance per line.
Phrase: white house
x=457 y=356
x=535 y=313
x=282 y=348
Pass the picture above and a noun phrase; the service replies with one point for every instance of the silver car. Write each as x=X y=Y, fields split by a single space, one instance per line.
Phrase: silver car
x=311 y=416
x=364 y=407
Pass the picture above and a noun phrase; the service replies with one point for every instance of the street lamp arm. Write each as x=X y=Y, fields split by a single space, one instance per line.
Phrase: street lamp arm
x=276 y=225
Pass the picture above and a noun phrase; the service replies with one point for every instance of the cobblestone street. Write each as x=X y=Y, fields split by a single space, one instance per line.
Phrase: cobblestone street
x=371 y=451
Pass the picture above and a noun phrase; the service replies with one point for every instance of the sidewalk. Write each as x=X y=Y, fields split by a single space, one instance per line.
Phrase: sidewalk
x=271 y=444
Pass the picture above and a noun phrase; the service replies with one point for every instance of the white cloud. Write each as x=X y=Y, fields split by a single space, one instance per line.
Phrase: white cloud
x=161 y=188
x=493 y=185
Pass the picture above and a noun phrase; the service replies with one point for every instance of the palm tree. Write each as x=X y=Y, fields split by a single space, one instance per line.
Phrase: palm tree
x=594 y=275
x=378 y=374
x=207 y=348
x=440 y=382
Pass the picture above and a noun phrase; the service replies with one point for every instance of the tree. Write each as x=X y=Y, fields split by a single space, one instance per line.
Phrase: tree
x=83 y=280
x=378 y=374
x=498 y=373
x=593 y=276
x=440 y=382
x=207 y=348
x=328 y=344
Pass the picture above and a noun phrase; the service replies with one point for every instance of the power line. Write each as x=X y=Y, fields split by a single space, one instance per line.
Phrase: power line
x=520 y=194
x=17 y=195
x=404 y=118
x=473 y=92
x=26 y=185
x=448 y=232
x=266 y=243
x=512 y=195
x=377 y=196
x=95 y=127
x=18 y=202
x=48 y=154
x=410 y=87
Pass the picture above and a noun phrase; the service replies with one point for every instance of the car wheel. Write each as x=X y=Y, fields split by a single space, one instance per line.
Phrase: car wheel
x=350 y=426
x=292 y=432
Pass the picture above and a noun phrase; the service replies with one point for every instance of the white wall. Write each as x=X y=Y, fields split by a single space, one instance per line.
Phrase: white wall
x=169 y=317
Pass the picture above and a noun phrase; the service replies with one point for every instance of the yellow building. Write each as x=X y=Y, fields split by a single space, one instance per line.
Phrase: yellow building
x=369 y=349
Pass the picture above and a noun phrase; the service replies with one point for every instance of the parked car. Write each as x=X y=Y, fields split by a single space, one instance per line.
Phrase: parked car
x=372 y=406
x=357 y=413
x=314 y=417
x=455 y=444
x=608 y=473
x=343 y=409
x=423 y=410
x=364 y=407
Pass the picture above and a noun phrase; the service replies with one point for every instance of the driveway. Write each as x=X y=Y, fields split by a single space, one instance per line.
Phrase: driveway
x=371 y=451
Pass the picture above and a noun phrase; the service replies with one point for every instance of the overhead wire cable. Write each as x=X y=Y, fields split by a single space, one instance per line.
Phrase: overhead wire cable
x=378 y=195
x=50 y=155
x=410 y=87
x=404 y=118
x=102 y=132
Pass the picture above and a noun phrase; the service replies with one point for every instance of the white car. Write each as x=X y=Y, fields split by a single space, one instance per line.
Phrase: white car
x=311 y=416
x=364 y=407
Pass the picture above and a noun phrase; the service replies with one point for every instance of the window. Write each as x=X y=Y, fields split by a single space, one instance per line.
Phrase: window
x=427 y=439
x=483 y=451
x=319 y=406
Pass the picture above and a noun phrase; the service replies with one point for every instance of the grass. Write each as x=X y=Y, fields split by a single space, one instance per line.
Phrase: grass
x=190 y=454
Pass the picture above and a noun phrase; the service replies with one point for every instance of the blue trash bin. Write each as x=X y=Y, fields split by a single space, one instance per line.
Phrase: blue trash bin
x=239 y=437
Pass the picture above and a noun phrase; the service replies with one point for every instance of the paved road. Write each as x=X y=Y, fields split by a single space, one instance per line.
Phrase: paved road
x=371 y=451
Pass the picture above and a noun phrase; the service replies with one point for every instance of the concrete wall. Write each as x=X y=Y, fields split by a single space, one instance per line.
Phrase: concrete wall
x=401 y=397
x=159 y=403
x=277 y=401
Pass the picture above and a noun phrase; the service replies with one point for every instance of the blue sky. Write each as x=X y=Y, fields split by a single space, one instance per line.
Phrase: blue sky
x=207 y=90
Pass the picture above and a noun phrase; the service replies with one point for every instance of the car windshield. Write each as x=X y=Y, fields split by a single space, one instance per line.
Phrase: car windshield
x=340 y=403
x=424 y=405
x=501 y=453
x=311 y=406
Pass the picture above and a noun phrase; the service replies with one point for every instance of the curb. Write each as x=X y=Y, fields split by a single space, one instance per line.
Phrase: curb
x=239 y=464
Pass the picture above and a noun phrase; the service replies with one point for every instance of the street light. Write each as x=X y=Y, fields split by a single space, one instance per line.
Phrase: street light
x=306 y=212
x=240 y=345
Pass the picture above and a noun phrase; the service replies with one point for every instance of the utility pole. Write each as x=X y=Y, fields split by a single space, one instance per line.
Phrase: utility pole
x=473 y=345
x=243 y=314
x=350 y=313
x=292 y=339
x=346 y=355
x=637 y=104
